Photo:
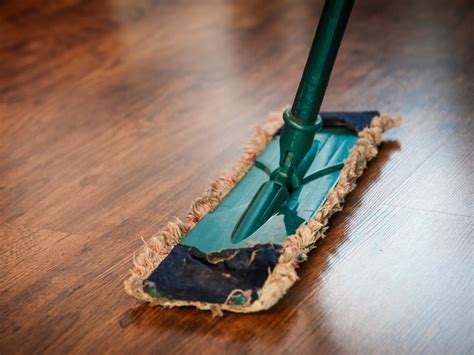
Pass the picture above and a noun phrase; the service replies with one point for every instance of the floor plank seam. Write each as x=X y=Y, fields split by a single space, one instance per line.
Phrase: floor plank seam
x=426 y=210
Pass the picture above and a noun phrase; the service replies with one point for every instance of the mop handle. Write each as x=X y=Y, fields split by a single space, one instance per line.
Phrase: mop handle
x=301 y=121
x=321 y=59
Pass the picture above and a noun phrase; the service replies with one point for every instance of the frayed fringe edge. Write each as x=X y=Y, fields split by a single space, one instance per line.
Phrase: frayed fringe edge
x=295 y=248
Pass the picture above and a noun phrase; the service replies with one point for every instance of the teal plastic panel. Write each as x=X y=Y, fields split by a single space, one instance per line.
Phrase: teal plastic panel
x=213 y=232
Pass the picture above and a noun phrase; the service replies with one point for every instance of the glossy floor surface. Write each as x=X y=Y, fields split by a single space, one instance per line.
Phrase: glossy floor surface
x=114 y=115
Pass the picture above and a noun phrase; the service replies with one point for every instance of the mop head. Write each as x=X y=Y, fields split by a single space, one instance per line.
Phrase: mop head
x=249 y=279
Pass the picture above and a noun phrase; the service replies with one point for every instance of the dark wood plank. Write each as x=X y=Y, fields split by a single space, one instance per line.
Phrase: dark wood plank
x=116 y=115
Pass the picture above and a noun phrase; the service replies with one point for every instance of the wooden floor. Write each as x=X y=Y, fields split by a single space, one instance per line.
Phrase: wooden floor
x=115 y=115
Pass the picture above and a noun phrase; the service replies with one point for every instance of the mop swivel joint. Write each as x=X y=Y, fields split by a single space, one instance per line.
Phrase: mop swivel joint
x=295 y=142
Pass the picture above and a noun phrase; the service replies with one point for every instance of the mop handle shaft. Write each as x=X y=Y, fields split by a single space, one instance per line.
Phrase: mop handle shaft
x=321 y=59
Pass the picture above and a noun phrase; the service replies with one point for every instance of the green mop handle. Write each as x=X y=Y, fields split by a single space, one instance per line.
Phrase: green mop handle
x=321 y=59
x=302 y=121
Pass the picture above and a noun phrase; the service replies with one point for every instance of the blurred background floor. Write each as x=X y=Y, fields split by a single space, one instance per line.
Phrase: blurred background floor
x=115 y=115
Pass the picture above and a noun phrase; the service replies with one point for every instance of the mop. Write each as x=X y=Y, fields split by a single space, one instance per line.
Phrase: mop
x=243 y=239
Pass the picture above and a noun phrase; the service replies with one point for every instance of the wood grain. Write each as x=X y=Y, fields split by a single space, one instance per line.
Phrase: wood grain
x=115 y=115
